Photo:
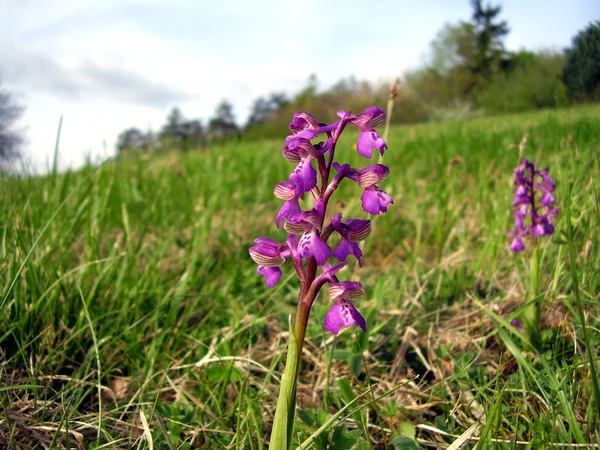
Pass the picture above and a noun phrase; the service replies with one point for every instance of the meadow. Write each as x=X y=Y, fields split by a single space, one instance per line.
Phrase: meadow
x=131 y=315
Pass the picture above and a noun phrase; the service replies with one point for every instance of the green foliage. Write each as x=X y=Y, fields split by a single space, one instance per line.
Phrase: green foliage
x=127 y=289
x=448 y=78
x=464 y=58
x=582 y=70
x=533 y=82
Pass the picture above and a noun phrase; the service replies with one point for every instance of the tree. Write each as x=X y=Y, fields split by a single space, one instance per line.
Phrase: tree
x=193 y=134
x=265 y=109
x=581 y=74
x=532 y=82
x=10 y=140
x=454 y=46
x=223 y=125
x=131 y=139
x=464 y=59
x=173 y=129
x=489 y=37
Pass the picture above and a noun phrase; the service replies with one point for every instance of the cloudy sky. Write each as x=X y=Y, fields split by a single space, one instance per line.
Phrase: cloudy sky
x=109 y=65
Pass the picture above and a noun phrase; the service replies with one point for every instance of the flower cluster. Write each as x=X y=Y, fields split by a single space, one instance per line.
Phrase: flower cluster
x=533 y=200
x=308 y=243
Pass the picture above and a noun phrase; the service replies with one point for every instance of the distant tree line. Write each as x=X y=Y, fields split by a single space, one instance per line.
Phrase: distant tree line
x=469 y=72
x=181 y=133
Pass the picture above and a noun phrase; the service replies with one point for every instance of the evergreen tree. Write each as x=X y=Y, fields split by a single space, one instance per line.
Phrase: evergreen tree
x=193 y=134
x=265 y=109
x=223 y=125
x=489 y=34
x=173 y=129
x=10 y=140
x=131 y=139
x=581 y=74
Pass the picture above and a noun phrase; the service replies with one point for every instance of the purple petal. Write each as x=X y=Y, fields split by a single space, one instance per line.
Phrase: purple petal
x=304 y=175
x=271 y=274
x=298 y=148
x=266 y=241
x=369 y=140
x=547 y=199
x=341 y=114
x=371 y=175
x=311 y=245
x=343 y=314
x=517 y=245
x=517 y=324
x=521 y=190
x=538 y=230
x=286 y=190
x=339 y=226
x=266 y=255
x=375 y=200
x=346 y=248
x=370 y=118
x=288 y=209
x=346 y=289
x=522 y=200
x=547 y=180
x=303 y=121
x=360 y=229
x=304 y=220
x=549 y=229
x=519 y=225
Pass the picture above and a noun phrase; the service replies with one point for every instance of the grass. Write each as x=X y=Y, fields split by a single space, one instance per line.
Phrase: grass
x=132 y=317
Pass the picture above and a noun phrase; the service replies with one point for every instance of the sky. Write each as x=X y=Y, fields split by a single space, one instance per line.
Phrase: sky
x=105 y=66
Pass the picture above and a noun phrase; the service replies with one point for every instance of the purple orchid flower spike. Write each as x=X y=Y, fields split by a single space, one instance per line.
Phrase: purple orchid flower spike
x=343 y=313
x=533 y=201
x=306 y=196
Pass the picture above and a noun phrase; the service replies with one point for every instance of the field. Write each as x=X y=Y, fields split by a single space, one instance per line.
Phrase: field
x=132 y=316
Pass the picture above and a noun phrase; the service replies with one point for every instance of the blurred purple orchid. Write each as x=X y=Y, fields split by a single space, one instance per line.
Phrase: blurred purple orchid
x=533 y=201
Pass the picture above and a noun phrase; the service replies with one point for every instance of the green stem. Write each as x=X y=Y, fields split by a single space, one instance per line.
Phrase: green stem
x=535 y=301
x=283 y=422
